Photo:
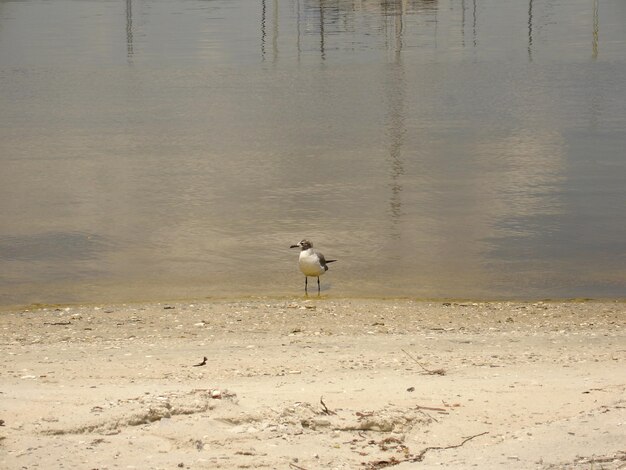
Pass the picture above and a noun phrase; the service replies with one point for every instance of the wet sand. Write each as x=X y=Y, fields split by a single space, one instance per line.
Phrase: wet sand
x=315 y=384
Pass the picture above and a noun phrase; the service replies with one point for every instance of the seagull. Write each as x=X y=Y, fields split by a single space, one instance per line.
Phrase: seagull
x=312 y=263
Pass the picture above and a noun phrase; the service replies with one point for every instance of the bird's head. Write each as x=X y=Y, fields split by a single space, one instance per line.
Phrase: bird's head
x=303 y=244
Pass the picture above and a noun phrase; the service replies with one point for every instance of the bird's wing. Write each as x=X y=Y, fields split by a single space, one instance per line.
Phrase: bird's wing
x=324 y=261
x=321 y=258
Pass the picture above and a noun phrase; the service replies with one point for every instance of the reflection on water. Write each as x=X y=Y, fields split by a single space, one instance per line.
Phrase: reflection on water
x=160 y=149
x=129 y=28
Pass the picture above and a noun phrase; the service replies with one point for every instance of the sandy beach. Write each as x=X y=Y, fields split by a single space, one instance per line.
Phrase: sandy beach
x=314 y=384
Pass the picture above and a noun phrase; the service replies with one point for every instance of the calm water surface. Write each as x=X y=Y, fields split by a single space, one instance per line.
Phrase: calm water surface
x=157 y=149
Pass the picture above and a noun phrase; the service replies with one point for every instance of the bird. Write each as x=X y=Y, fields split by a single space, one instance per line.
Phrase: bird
x=312 y=263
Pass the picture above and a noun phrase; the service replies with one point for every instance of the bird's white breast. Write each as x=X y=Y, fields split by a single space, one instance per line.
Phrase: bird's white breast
x=310 y=264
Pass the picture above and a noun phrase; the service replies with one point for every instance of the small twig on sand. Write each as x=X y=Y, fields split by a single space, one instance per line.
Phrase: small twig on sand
x=421 y=409
x=417 y=457
x=432 y=408
x=325 y=409
x=203 y=363
x=428 y=371
x=297 y=467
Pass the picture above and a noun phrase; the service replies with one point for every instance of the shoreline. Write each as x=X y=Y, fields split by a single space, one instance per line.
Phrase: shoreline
x=280 y=298
x=315 y=383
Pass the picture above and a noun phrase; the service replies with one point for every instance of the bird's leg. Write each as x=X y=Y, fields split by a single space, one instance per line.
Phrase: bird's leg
x=306 y=282
x=318 y=285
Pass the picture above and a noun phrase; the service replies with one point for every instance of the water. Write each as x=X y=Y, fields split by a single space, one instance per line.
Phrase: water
x=158 y=149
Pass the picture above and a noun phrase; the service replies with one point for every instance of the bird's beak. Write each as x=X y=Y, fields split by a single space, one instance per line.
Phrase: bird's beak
x=294 y=246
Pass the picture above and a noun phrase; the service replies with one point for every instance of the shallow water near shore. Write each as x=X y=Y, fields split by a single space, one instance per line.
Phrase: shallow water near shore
x=437 y=149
